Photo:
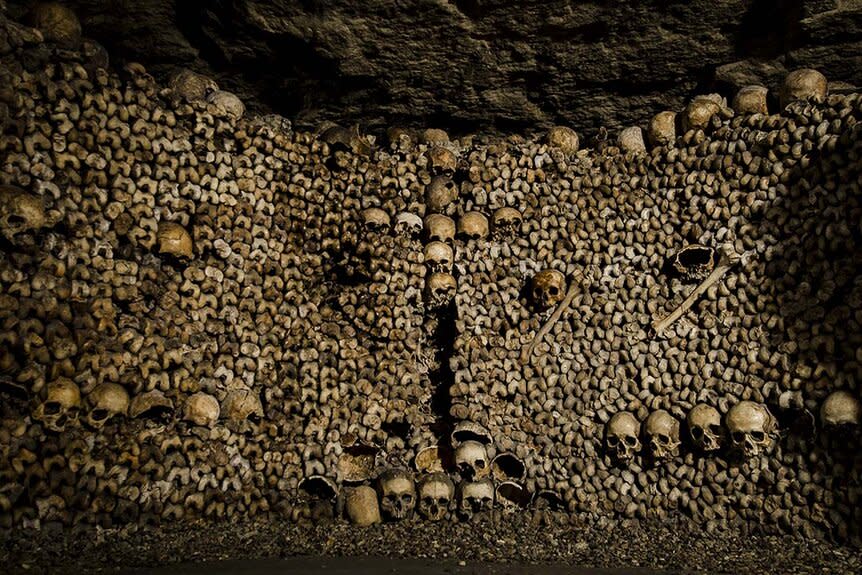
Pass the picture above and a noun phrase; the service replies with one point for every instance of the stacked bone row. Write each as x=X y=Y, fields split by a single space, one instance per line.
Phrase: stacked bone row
x=235 y=306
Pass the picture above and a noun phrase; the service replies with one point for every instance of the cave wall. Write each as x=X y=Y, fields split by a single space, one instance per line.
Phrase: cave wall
x=478 y=64
x=315 y=333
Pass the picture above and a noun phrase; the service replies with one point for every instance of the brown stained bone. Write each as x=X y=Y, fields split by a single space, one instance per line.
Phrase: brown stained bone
x=727 y=261
x=555 y=317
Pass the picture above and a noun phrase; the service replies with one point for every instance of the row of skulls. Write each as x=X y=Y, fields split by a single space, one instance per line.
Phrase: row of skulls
x=749 y=428
x=63 y=406
x=397 y=493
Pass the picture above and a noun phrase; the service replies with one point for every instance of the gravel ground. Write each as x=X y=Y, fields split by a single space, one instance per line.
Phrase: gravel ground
x=674 y=546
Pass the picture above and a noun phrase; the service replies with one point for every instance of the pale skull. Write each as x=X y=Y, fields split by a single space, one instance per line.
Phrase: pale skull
x=471 y=460
x=442 y=161
x=202 y=409
x=61 y=406
x=440 y=193
x=548 y=288
x=440 y=289
x=473 y=226
x=699 y=113
x=439 y=228
x=662 y=432
x=375 y=220
x=841 y=409
x=752 y=428
x=439 y=257
x=622 y=436
x=704 y=426
x=227 y=103
x=475 y=497
x=175 y=241
x=106 y=401
x=397 y=494
x=564 y=139
x=506 y=222
x=751 y=100
x=152 y=404
x=694 y=262
x=20 y=212
x=408 y=225
x=242 y=404
x=662 y=128
x=436 y=492
x=804 y=84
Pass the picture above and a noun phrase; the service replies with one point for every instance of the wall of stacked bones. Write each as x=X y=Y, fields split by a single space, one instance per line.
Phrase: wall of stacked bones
x=206 y=314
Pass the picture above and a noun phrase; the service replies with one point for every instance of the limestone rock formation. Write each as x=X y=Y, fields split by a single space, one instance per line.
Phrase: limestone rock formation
x=480 y=64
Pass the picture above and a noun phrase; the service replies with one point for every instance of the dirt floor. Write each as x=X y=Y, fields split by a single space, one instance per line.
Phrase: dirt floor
x=510 y=544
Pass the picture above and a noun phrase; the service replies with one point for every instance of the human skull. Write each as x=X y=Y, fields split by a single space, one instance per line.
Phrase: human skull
x=622 y=436
x=58 y=23
x=436 y=492
x=471 y=460
x=440 y=192
x=375 y=220
x=357 y=462
x=694 y=262
x=548 y=289
x=191 y=86
x=564 y=139
x=439 y=228
x=662 y=128
x=699 y=113
x=152 y=404
x=440 y=289
x=202 y=409
x=399 y=138
x=228 y=103
x=475 y=497
x=751 y=100
x=631 y=140
x=241 y=404
x=511 y=496
x=20 y=212
x=397 y=494
x=473 y=226
x=430 y=459
x=346 y=139
x=662 y=432
x=106 y=401
x=175 y=241
x=508 y=466
x=804 y=84
x=408 y=225
x=841 y=409
x=434 y=136
x=442 y=161
x=361 y=506
x=752 y=428
x=61 y=406
x=439 y=257
x=704 y=426
x=506 y=222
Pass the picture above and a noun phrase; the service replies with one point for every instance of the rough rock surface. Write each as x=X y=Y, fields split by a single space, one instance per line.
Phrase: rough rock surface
x=481 y=64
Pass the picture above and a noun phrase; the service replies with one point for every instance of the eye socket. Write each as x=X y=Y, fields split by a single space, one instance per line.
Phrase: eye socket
x=697 y=432
x=631 y=440
x=479 y=464
x=99 y=414
x=738 y=436
x=52 y=408
x=716 y=429
x=613 y=440
x=758 y=436
x=553 y=290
